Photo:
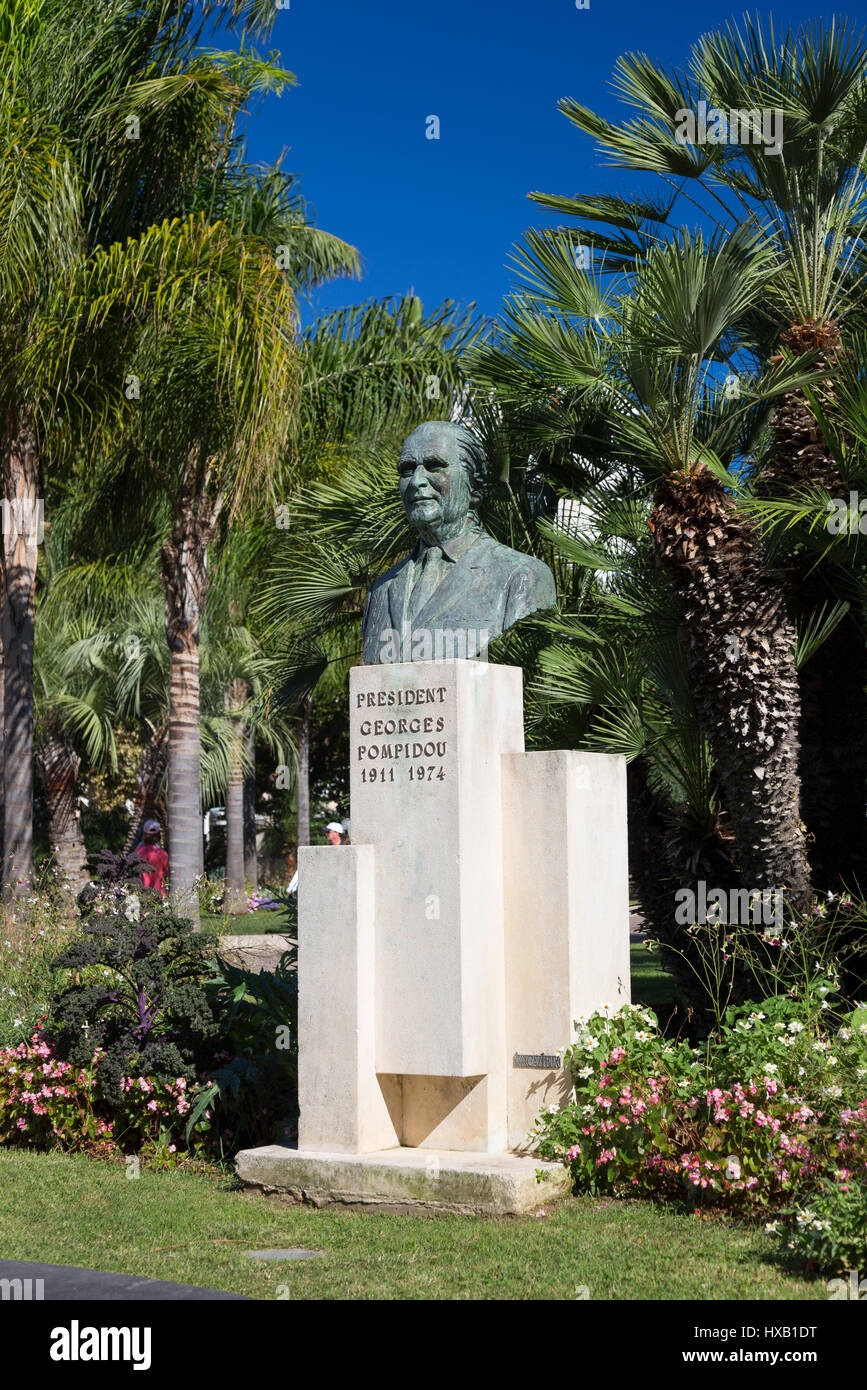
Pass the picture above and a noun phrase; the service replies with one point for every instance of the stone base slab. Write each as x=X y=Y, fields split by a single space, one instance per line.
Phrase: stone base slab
x=404 y=1179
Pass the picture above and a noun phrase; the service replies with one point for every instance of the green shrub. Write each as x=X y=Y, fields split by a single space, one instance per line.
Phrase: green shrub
x=137 y=990
x=830 y=1232
x=254 y=1095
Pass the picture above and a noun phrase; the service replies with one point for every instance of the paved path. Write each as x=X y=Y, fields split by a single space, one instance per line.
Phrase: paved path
x=255 y=952
x=69 y=1281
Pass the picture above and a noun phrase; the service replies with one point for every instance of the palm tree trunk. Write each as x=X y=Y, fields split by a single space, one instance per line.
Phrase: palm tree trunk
x=740 y=644
x=251 y=857
x=185 y=580
x=149 y=775
x=303 y=836
x=833 y=683
x=20 y=473
x=59 y=764
x=235 y=897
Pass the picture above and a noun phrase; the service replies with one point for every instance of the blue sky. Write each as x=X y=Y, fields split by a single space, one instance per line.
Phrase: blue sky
x=440 y=216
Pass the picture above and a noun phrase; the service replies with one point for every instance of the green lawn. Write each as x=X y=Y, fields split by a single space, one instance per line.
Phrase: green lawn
x=246 y=923
x=651 y=984
x=79 y=1211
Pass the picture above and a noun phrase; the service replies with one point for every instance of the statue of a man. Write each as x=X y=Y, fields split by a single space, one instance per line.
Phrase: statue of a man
x=459 y=587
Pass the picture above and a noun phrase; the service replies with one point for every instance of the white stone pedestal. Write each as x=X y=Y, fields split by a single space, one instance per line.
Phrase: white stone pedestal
x=444 y=955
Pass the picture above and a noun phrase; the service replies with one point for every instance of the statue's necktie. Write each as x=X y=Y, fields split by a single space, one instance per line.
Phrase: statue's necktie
x=426 y=583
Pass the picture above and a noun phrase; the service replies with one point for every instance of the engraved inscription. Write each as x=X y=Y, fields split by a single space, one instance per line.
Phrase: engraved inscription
x=397 y=736
x=541 y=1061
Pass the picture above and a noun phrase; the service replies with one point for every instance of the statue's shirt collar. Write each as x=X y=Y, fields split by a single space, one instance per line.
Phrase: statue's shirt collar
x=453 y=550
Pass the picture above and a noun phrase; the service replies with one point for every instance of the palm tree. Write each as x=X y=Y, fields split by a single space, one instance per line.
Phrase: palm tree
x=75 y=718
x=640 y=358
x=206 y=317
x=804 y=195
x=71 y=180
x=105 y=623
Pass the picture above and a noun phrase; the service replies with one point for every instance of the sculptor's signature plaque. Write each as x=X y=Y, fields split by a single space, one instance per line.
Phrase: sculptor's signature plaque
x=540 y=1061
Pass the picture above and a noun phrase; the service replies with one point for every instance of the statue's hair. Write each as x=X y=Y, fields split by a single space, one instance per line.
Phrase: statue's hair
x=474 y=459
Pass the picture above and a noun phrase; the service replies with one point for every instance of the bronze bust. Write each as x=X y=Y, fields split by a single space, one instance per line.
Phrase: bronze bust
x=459 y=587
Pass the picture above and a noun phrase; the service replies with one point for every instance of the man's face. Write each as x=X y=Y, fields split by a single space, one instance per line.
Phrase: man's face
x=434 y=485
x=332 y=837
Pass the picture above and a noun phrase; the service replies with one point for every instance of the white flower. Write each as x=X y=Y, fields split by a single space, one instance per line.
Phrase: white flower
x=771 y=1227
x=585 y=1072
x=132 y=908
x=796 y=1026
x=832 y=1061
x=641 y=1036
x=552 y=1109
x=771 y=1067
x=756 y=1015
x=845 y=1034
x=591 y=1043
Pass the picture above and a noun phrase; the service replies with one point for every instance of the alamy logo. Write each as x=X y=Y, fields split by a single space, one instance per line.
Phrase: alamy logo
x=853 y=1288
x=849 y=517
x=22 y=1290
x=714 y=126
x=433 y=644
x=23 y=519
x=77 y=1343
x=738 y=907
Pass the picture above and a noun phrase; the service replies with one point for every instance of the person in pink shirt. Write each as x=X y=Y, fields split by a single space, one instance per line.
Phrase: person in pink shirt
x=151 y=850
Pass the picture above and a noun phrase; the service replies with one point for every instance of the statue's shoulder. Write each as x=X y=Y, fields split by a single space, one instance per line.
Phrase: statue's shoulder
x=489 y=552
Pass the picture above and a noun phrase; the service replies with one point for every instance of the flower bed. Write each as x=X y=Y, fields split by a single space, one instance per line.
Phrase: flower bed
x=768 y=1116
x=49 y=1103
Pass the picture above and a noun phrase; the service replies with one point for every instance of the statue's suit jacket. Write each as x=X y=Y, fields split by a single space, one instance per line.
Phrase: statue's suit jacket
x=485 y=588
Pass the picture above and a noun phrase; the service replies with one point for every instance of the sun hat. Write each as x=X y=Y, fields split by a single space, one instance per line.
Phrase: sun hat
x=334 y=825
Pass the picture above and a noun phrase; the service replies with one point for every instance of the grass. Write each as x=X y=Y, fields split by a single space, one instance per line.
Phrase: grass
x=175 y=1225
x=247 y=923
x=652 y=985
